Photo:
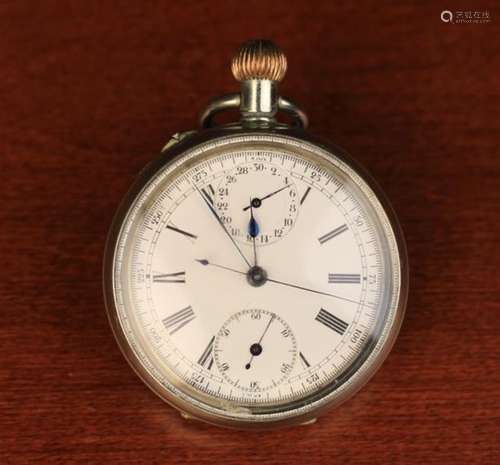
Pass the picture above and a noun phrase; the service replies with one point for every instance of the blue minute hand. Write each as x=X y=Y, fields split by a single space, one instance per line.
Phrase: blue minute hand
x=217 y=217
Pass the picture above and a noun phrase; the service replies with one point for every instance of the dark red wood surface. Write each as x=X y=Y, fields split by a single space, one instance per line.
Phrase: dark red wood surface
x=91 y=90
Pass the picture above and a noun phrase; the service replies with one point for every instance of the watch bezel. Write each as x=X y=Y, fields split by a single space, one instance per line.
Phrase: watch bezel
x=322 y=400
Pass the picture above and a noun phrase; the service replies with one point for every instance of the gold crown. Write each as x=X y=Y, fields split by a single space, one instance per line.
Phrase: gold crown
x=259 y=59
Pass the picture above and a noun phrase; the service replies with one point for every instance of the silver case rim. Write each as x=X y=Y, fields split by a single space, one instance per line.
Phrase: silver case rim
x=187 y=409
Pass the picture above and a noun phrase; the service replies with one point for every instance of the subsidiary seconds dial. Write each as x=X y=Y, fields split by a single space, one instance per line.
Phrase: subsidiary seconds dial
x=255 y=350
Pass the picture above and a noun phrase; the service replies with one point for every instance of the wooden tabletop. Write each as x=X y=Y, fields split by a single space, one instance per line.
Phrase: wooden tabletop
x=90 y=91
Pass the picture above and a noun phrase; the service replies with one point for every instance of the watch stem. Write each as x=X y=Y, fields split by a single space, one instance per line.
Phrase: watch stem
x=259 y=65
x=259 y=59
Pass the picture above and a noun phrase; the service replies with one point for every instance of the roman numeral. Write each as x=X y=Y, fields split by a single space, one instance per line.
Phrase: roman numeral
x=209 y=195
x=206 y=360
x=332 y=322
x=304 y=360
x=179 y=319
x=181 y=231
x=333 y=233
x=344 y=278
x=306 y=193
x=179 y=277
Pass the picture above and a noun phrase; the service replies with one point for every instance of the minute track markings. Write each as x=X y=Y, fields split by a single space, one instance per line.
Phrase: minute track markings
x=206 y=360
x=332 y=322
x=330 y=235
x=179 y=319
x=209 y=196
x=304 y=360
x=179 y=277
x=344 y=278
x=306 y=193
x=181 y=231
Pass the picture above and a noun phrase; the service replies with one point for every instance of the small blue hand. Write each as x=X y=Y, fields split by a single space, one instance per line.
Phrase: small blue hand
x=253 y=227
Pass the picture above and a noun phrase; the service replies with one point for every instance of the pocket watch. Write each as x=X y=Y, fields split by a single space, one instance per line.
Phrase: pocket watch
x=255 y=275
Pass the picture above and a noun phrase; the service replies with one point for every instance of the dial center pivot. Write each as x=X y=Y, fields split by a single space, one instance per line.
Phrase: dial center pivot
x=256 y=349
x=256 y=202
x=256 y=276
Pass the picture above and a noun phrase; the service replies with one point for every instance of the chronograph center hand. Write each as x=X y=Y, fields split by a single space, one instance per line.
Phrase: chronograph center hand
x=258 y=273
x=221 y=224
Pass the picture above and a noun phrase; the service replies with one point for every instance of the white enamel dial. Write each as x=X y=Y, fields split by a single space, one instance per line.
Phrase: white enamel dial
x=191 y=270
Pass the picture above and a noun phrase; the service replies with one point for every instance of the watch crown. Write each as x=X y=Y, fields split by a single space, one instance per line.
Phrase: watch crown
x=259 y=59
